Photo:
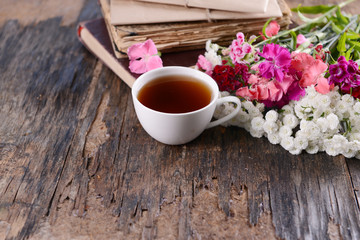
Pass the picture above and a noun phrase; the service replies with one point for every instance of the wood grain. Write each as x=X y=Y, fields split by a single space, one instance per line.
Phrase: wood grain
x=76 y=164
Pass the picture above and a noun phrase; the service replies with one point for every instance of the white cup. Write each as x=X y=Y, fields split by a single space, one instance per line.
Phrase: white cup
x=179 y=128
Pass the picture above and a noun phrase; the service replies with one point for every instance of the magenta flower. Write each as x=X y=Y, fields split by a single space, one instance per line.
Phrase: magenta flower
x=346 y=74
x=277 y=61
x=143 y=57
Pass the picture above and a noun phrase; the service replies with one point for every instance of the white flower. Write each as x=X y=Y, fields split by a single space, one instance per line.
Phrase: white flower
x=248 y=105
x=271 y=116
x=270 y=127
x=256 y=133
x=274 y=138
x=290 y=120
x=347 y=99
x=322 y=123
x=295 y=151
x=242 y=116
x=312 y=148
x=213 y=58
x=211 y=46
x=287 y=109
x=323 y=100
x=341 y=106
x=257 y=123
x=299 y=111
x=260 y=106
x=300 y=142
x=333 y=121
x=357 y=107
x=287 y=143
x=330 y=150
x=254 y=112
x=285 y=131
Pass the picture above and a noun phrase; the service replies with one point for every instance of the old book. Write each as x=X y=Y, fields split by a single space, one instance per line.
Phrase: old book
x=181 y=36
x=255 y=6
x=122 y=13
x=95 y=37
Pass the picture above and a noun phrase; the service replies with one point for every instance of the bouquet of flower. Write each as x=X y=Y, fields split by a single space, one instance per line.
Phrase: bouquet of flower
x=300 y=88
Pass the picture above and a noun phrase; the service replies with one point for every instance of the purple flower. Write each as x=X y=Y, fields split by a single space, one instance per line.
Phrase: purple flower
x=277 y=61
x=345 y=74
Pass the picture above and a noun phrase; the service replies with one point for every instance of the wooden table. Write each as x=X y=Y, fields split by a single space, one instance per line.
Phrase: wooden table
x=76 y=164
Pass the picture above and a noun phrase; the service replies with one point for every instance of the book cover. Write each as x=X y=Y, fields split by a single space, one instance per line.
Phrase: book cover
x=95 y=37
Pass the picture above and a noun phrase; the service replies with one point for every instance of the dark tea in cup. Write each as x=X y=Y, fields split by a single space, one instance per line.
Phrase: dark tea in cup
x=175 y=94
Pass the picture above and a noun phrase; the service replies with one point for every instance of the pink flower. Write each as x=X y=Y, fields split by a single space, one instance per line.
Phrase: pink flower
x=204 y=64
x=277 y=60
x=143 y=57
x=271 y=30
x=263 y=89
x=300 y=39
x=311 y=71
x=239 y=48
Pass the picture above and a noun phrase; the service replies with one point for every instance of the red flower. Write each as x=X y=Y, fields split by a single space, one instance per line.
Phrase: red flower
x=231 y=78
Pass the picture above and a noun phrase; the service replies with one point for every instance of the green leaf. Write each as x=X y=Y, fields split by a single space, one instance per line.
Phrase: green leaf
x=293 y=39
x=341 y=18
x=336 y=28
x=348 y=53
x=352 y=35
x=341 y=46
x=354 y=44
x=313 y=9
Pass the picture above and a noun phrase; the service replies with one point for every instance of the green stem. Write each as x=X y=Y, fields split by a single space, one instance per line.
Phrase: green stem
x=284 y=33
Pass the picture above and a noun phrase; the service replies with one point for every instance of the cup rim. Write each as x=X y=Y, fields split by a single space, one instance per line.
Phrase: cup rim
x=210 y=82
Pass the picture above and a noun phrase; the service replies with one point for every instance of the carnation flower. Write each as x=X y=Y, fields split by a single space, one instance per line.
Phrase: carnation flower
x=143 y=57
x=231 y=78
x=345 y=74
x=311 y=71
x=277 y=60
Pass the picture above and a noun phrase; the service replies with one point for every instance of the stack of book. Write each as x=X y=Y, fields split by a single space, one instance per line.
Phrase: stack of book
x=179 y=28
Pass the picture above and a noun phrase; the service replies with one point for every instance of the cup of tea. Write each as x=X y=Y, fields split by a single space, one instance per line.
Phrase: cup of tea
x=176 y=104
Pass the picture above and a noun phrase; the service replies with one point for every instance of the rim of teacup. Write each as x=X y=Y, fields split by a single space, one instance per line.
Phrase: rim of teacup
x=167 y=71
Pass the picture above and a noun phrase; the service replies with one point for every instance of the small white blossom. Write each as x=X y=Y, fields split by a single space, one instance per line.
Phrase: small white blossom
x=322 y=123
x=312 y=149
x=257 y=123
x=254 y=112
x=256 y=133
x=287 y=109
x=357 y=107
x=270 y=127
x=260 y=106
x=285 y=131
x=295 y=151
x=271 y=116
x=290 y=120
x=287 y=143
x=274 y=138
x=242 y=116
x=300 y=143
x=348 y=99
x=333 y=121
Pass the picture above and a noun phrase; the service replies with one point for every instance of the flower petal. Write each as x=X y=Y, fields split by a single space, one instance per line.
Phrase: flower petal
x=137 y=66
x=153 y=63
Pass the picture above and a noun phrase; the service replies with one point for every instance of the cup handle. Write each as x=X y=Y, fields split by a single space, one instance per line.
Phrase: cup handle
x=232 y=99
